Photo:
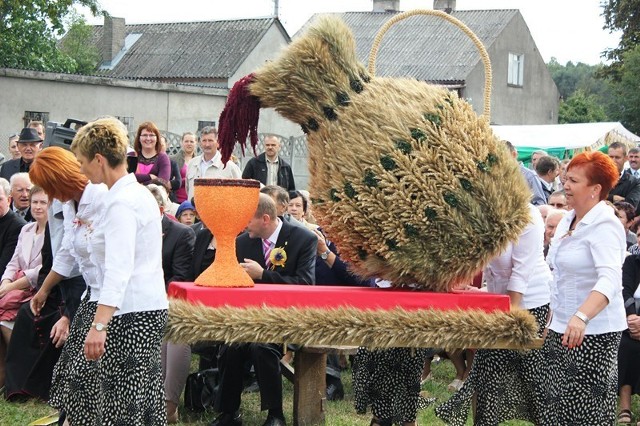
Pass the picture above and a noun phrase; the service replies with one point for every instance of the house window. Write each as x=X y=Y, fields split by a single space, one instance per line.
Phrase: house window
x=515 y=75
x=203 y=124
x=35 y=116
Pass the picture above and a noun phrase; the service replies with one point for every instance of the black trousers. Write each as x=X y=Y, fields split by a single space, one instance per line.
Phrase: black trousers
x=231 y=365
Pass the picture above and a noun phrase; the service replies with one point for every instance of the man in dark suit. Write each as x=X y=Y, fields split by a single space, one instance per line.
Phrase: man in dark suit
x=20 y=189
x=10 y=226
x=266 y=234
x=269 y=168
x=29 y=144
x=628 y=187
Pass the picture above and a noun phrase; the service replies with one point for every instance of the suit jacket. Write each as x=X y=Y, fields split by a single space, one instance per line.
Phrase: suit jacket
x=27 y=256
x=177 y=250
x=27 y=217
x=300 y=245
x=202 y=259
x=10 y=226
x=10 y=168
x=256 y=169
x=629 y=188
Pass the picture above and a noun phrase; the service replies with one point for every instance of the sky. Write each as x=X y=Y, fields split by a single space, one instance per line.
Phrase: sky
x=569 y=30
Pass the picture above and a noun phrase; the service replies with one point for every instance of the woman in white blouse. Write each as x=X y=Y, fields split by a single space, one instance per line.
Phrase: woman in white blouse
x=126 y=246
x=508 y=384
x=58 y=172
x=586 y=257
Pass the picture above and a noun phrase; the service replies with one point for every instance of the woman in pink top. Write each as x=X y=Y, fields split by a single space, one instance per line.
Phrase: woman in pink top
x=153 y=164
x=187 y=152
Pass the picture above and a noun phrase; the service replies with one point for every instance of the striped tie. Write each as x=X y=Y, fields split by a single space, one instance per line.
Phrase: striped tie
x=266 y=248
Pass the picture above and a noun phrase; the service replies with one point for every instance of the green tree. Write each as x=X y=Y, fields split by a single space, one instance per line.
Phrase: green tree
x=77 y=45
x=28 y=31
x=627 y=88
x=581 y=108
x=624 y=16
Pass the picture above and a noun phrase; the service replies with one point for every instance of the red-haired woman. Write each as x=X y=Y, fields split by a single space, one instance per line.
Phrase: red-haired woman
x=586 y=256
x=153 y=164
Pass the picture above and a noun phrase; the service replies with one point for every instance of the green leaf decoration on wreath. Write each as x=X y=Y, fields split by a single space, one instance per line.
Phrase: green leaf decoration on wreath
x=434 y=118
x=466 y=185
x=349 y=190
x=451 y=199
x=418 y=135
x=387 y=163
x=430 y=214
x=404 y=146
x=411 y=231
x=492 y=159
x=333 y=194
x=392 y=244
x=482 y=166
x=370 y=179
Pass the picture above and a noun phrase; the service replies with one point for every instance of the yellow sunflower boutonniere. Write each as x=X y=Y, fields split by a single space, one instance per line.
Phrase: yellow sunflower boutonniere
x=278 y=257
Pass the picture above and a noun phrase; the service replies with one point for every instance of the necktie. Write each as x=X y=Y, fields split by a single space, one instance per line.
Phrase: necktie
x=266 y=248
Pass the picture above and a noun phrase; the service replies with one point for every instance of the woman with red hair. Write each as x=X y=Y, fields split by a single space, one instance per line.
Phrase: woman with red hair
x=586 y=256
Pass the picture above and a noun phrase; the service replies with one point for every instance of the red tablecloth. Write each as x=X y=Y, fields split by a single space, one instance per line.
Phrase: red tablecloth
x=306 y=296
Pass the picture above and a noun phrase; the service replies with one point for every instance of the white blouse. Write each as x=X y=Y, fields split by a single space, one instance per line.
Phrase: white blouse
x=78 y=230
x=127 y=247
x=521 y=267
x=588 y=259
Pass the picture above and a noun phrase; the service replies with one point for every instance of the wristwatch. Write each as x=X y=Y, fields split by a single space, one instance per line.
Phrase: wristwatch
x=99 y=326
x=582 y=316
x=325 y=255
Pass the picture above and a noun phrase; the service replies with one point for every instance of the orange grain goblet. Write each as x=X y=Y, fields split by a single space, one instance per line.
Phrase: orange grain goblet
x=226 y=206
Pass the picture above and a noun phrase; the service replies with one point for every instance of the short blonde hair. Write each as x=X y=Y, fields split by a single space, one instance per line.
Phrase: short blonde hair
x=105 y=136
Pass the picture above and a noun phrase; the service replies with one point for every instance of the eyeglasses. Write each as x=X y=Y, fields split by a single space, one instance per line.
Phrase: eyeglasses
x=557 y=205
x=148 y=136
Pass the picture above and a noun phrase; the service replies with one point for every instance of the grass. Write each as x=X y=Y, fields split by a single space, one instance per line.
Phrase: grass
x=339 y=413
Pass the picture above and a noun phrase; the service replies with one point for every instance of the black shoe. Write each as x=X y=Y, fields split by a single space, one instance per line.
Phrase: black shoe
x=228 y=419
x=335 y=392
x=274 y=421
x=251 y=387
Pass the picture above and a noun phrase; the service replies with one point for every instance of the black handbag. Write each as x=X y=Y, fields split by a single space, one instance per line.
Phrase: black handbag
x=200 y=390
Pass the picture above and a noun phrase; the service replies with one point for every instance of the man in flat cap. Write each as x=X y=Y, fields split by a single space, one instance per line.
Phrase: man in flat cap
x=29 y=144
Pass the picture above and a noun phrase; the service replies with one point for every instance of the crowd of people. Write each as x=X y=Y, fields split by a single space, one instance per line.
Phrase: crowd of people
x=91 y=238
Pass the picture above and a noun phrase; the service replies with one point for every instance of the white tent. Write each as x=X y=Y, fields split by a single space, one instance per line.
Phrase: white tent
x=566 y=136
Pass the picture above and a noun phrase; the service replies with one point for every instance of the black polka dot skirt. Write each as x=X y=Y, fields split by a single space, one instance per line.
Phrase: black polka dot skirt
x=125 y=386
x=388 y=380
x=507 y=384
x=582 y=382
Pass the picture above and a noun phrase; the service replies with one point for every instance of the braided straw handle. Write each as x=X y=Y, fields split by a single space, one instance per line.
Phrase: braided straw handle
x=483 y=52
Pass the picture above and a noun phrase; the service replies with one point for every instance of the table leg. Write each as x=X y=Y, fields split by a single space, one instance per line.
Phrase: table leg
x=309 y=388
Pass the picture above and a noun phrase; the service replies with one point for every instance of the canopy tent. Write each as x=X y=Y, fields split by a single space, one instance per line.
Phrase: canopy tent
x=564 y=140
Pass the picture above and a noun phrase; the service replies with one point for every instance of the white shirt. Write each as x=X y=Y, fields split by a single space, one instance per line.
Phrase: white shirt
x=590 y=259
x=78 y=231
x=273 y=239
x=127 y=247
x=212 y=169
x=272 y=170
x=521 y=266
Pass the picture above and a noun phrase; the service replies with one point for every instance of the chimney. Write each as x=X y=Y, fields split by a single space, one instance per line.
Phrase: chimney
x=386 y=5
x=113 y=36
x=447 y=6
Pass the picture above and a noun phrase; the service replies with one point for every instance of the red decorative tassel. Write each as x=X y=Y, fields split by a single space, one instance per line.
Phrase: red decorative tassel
x=239 y=118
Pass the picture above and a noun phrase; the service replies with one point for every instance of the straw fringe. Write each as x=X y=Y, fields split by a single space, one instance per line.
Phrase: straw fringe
x=189 y=323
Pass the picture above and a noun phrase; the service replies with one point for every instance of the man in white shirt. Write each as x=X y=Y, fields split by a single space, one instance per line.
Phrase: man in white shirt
x=209 y=164
x=634 y=162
